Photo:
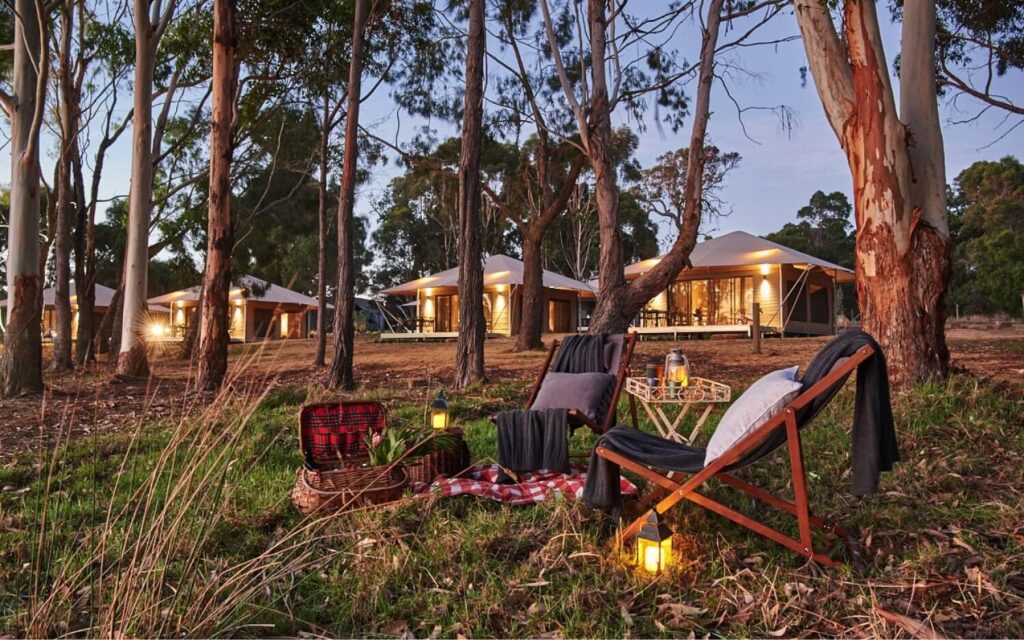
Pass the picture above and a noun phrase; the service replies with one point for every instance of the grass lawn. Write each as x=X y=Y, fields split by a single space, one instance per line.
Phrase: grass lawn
x=181 y=525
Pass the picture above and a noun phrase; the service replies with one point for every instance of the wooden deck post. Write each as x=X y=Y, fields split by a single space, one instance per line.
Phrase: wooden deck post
x=756 y=328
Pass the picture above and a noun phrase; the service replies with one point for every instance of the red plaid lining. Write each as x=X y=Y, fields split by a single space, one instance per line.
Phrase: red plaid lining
x=334 y=431
x=536 y=486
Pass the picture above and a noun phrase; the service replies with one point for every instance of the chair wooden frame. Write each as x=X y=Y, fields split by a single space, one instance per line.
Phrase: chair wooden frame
x=578 y=417
x=798 y=507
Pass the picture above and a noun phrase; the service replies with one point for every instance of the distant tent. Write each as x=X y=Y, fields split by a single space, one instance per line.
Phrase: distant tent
x=437 y=298
x=794 y=290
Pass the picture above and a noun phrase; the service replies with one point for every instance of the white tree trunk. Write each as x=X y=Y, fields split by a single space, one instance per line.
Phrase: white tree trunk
x=132 y=360
x=22 y=356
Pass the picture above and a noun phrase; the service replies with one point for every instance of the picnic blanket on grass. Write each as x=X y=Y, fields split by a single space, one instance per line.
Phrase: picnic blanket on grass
x=535 y=486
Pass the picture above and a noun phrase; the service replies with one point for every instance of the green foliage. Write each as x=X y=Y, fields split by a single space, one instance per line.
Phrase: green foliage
x=987 y=224
x=823 y=229
x=661 y=188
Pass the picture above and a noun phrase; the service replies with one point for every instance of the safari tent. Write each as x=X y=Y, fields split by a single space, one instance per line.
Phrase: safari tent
x=437 y=301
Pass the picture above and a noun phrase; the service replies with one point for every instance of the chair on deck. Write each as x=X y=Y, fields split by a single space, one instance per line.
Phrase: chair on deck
x=873 y=436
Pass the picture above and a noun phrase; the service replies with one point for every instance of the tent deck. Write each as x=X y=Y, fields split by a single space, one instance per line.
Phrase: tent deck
x=676 y=330
x=416 y=336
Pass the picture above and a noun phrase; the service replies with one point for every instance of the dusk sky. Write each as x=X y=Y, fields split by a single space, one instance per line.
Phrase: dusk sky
x=780 y=169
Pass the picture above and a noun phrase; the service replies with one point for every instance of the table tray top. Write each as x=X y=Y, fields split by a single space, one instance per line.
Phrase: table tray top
x=699 y=390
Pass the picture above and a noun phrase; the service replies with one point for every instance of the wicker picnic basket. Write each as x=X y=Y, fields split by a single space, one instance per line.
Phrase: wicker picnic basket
x=440 y=462
x=332 y=437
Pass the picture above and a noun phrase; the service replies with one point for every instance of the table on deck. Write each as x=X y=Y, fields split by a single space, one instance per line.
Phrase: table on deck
x=655 y=401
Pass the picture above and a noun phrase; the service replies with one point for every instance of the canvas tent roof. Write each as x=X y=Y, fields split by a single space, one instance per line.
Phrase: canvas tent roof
x=257 y=290
x=498 y=269
x=104 y=297
x=740 y=248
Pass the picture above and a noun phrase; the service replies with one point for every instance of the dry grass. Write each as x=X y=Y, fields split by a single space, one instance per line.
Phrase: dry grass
x=179 y=525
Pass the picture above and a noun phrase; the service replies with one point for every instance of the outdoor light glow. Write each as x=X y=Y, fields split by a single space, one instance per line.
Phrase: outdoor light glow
x=654 y=545
x=439 y=410
x=238 y=302
x=765 y=269
x=157 y=330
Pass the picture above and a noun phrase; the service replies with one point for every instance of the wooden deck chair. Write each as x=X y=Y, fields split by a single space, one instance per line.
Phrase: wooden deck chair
x=622 y=353
x=783 y=428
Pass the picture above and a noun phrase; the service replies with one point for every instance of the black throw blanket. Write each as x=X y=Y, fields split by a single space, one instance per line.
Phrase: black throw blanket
x=530 y=440
x=873 y=450
x=581 y=354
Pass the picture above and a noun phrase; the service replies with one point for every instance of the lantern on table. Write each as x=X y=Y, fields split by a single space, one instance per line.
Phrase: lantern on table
x=677 y=369
x=439 y=412
x=654 y=545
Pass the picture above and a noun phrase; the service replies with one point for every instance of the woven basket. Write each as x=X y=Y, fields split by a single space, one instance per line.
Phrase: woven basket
x=427 y=468
x=343 y=488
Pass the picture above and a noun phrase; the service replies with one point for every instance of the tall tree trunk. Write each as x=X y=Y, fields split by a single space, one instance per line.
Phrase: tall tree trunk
x=617 y=301
x=214 y=327
x=344 y=301
x=609 y=312
x=321 y=262
x=109 y=328
x=469 y=350
x=21 y=366
x=85 y=269
x=189 y=341
x=65 y=197
x=132 y=360
x=902 y=247
x=931 y=249
x=532 y=314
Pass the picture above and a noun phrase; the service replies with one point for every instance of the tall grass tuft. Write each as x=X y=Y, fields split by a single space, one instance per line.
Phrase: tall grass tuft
x=144 y=558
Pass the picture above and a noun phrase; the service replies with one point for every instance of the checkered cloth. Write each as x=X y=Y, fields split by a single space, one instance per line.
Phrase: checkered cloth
x=535 y=486
x=333 y=431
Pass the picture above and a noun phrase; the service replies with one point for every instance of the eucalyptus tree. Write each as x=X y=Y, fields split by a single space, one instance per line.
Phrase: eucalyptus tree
x=548 y=165
x=24 y=105
x=662 y=187
x=469 y=348
x=214 y=324
x=340 y=375
x=610 y=81
x=896 y=153
x=153 y=20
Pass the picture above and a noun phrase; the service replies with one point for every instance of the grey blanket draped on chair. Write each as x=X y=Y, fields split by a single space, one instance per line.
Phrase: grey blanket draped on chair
x=531 y=440
x=873 y=450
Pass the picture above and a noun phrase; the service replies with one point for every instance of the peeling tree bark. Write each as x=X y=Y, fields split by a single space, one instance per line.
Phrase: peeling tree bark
x=21 y=365
x=469 y=349
x=214 y=325
x=896 y=161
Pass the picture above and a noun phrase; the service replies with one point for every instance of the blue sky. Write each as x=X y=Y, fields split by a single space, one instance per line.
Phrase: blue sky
x=780 y=169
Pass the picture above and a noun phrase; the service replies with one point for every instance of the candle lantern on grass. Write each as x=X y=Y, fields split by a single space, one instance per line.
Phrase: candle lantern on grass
x=439 y=412
x=654 y=545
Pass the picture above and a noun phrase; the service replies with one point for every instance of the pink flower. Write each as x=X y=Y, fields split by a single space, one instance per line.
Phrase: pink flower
x=375 y=440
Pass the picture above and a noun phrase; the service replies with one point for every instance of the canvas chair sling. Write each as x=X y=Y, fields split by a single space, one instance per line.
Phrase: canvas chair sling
x=798 y=507
x=578 y=417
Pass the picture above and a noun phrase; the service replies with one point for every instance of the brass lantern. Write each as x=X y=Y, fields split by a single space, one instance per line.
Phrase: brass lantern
x=654 y=545
x=439 y=412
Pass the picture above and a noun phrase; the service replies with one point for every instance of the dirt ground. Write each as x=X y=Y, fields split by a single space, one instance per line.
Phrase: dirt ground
x=92 y=401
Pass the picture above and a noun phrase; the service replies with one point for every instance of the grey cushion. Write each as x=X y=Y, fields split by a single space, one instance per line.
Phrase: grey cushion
x=587 y=392
x=759 y=404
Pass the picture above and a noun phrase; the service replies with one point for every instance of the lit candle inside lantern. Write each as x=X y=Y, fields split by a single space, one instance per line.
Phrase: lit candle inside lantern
x=654 y=545
x=439 y=412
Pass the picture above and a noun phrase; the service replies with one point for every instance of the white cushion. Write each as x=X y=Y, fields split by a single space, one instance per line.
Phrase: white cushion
x=761 y=402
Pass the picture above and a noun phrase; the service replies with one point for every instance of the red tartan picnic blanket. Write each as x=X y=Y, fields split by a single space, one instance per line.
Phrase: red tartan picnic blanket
x=535 y=486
